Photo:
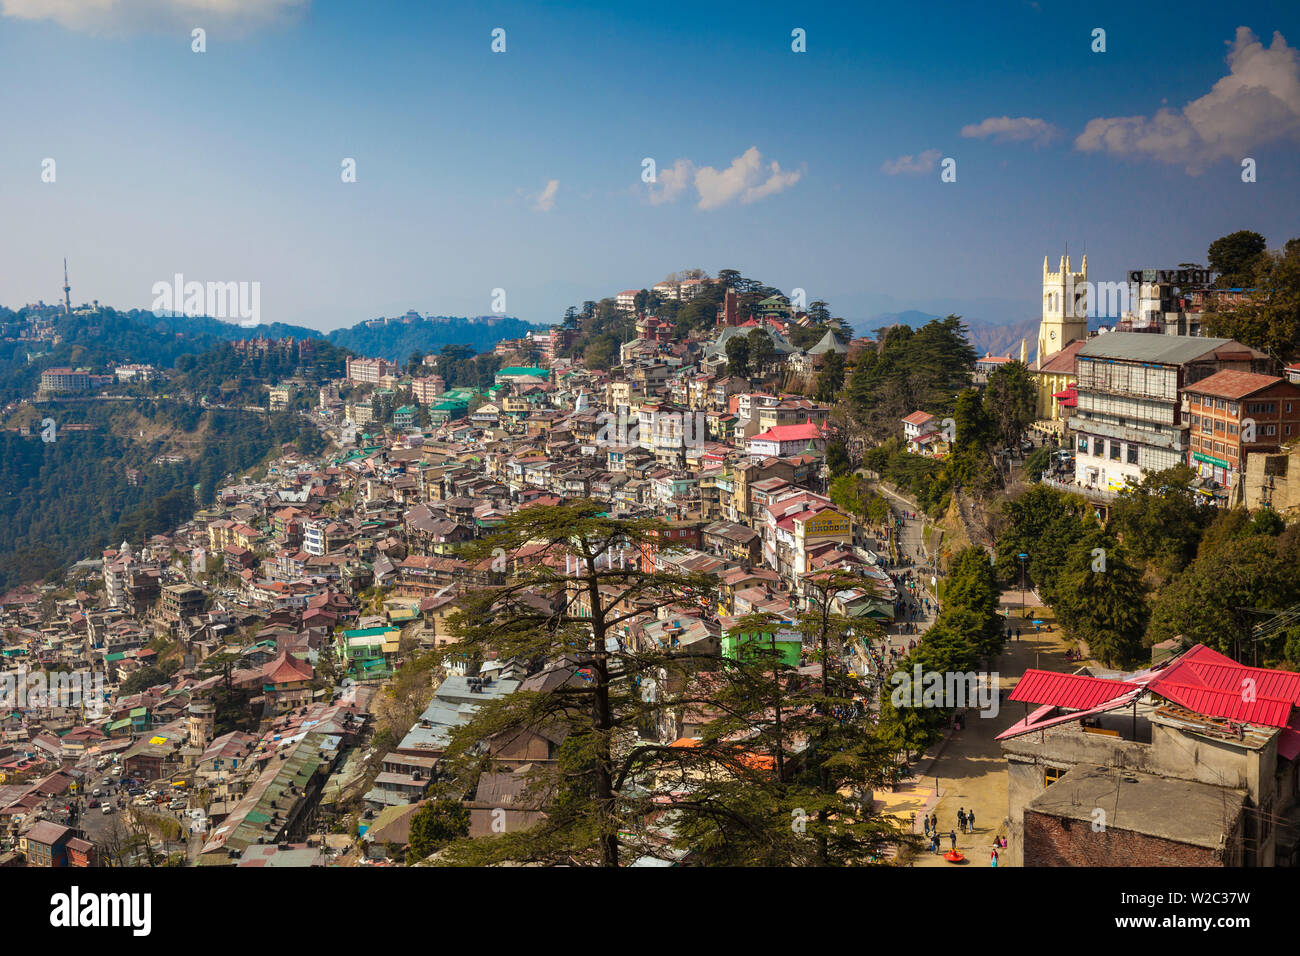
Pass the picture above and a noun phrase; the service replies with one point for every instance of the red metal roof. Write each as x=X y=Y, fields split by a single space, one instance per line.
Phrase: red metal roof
x=1227 y=704
x=806 y=431
x=1231 y=383
x=1041 y=719
x=1233 y=678
x=1073 y=691
x=1202 y=680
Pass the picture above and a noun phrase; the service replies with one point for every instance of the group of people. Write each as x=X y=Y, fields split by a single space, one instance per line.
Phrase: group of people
x=932 y=831
x=965 y=823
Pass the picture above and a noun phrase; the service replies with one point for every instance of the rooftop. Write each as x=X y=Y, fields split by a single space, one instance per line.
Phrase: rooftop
x=1162 y=349
x=1142 y=803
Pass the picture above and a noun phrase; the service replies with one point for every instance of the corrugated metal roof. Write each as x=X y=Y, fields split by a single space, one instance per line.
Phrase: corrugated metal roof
x=1039 y=719
x=1232 y=383
x=1227 y=704
x=1073 y=691
x=1145 y=347
x=1233 y=678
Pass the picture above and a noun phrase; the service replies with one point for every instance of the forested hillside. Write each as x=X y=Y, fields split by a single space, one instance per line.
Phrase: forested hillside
x=396 y=340
x=64 y=500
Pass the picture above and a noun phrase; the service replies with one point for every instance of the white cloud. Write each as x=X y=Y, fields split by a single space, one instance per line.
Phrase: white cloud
x=1008 y=129
x=1258 y=102
x=112 y=16
x=672 y=182
x=922 y=163
x=748 y=179
x=544 y=201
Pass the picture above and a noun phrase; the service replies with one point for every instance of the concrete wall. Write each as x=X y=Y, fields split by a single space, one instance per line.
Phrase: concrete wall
x=1273 y=479
x=1170 y=754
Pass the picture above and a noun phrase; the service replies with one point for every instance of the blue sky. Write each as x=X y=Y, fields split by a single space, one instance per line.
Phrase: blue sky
x=225 y=165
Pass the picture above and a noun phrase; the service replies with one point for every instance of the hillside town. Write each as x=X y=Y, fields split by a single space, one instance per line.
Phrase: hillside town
x=282 y=679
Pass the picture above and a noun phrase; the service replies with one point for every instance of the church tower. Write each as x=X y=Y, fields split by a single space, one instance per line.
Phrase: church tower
x=1065 y=307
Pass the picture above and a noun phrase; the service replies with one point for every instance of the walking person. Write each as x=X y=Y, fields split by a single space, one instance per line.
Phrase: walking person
x=993 y=859
x=961 y=819
x=952 y=837
x=970 y=821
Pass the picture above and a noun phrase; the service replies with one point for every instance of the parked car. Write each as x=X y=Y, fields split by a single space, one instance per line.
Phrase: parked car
x=107 y=808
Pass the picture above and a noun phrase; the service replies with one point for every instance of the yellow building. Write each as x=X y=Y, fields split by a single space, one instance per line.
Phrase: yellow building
x=1062 y=331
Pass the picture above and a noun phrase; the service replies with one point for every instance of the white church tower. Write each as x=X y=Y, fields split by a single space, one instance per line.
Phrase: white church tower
x=1065 y=307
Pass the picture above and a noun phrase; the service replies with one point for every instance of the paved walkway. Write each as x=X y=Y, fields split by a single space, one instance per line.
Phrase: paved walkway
x=969 y=771
x=966 y=769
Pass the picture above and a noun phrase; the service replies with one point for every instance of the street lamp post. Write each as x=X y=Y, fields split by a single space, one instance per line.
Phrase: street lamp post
x=1023 y=558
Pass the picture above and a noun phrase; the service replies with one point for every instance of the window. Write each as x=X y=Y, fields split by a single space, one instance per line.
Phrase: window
x=1219 y=403
x=1232 y=429
x=1218 y=427
x=1218 y=447
x=1232 y=408
x=1132 y=454
x=1114 y=451
x=1270 y=429
x=1083 y=444
x=1051 y=775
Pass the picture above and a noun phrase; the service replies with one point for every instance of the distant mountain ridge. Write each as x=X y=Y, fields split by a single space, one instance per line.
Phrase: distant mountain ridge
x=394 y=339
x=997 y=338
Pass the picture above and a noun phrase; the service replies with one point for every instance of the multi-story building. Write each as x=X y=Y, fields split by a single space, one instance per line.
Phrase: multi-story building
x=65 y=380
x=180 y=601
x=688 y=289
x=361 y=413
x=626 y=300
x=784 y=441
x=427 y=389
x=1129 y=417
x=1235 y=414
x=370 y=371
x=404 y=417
x=135 y=373
x=280 y=396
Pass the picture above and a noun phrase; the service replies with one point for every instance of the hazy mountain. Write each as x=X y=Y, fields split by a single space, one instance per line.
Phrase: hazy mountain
x=997 y=337
x=389 y=338
x=395 y=339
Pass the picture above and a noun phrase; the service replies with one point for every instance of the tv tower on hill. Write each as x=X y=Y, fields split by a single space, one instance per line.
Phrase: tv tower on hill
x=67 y=290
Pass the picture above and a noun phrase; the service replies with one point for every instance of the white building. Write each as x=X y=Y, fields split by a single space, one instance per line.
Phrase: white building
x=784 y=441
